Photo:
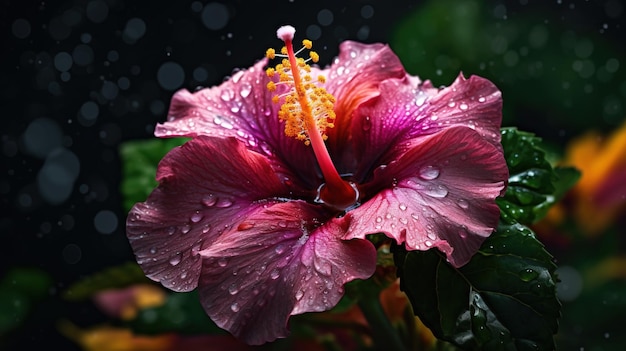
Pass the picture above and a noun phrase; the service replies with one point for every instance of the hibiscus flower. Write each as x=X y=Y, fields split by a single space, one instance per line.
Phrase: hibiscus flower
x=267 y=209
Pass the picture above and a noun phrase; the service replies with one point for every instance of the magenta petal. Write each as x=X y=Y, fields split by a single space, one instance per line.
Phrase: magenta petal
x=475 y=102
x=274 y=265
x=408 y=109
x=242 y=107
x=440 y=193
x=205 y=185
x=353 y=79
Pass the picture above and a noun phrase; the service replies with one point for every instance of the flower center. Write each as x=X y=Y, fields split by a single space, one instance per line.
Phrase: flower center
x=307 y=111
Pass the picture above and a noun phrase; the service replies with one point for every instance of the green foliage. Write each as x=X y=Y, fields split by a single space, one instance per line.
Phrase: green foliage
x=533 y=185
x=111 y=278
x=20 y=289
x=505 y=297
x=181 y=313
x=140 y=159
x=552 y=74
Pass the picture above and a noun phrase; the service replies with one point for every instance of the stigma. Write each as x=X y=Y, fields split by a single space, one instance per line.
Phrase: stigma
x=307 y=109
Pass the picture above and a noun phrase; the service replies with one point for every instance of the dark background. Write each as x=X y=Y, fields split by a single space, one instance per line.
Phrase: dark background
x=81 y=77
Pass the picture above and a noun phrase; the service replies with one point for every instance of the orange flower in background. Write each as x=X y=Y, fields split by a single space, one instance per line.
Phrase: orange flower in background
x=599 y=197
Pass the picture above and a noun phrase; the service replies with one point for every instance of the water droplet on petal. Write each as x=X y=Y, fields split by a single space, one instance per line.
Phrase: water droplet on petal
x=222 y=262
x=245 y=90
x=224 y=203
x=463 y=203
x=438 y=191
x=196 y=217
x=175 y=260
x=463 y=106
x=429 y=173
x=234 y=307
x=414 y=216
x=481 y=99
x=171 y=230
x=275 y=274
x=245 y=226
x=233 y=289
x=209 y=200
x=226 y=95
x=299 y=295
x=185 y=229
x=402 y=207
x=280 y=248
x=366 y=124
x=428 y=243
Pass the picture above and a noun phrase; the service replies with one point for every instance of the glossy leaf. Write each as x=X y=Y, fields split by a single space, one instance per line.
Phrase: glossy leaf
x=531 y=180
x=140 y=159
x=503 y=299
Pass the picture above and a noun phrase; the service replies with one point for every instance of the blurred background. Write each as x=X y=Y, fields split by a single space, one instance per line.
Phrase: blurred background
x=81 y=78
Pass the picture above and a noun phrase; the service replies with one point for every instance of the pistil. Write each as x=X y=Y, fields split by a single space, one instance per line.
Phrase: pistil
x=307 y=111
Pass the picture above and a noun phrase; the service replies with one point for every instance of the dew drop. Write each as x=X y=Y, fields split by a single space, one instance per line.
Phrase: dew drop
x=175 y=260
x=196 y=217
x=528 y=274
x=438 y=191
x=245 y=226
x=183 y=275
x=481 y=99
x=224 y=203
x=279 y=249
x=275 y=274
x=222 y=262
x=234 y=307
x=299 y=295
x=402 y=207
x=463 y=203
x=233 y=289
x=463 y=106
x=185 y=229
x=153 y=251
x=245 y=90
x=209 y=200
x=227 y=95
x=429 y=173
x=367 y=123
x=379 y=219
x=414 y=216
x=171 y=230
x=428 y=243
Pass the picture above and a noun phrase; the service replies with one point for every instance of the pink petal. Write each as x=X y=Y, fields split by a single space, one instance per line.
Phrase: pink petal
x=440 y=193
x=241 y=107
x=353 y=78
x=205 y=187
x=408 y=109
x=276 y=264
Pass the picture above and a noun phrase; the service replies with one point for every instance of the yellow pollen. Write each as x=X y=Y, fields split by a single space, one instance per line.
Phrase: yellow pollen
x=314 y=56
x=270 y=53
x=306 y=108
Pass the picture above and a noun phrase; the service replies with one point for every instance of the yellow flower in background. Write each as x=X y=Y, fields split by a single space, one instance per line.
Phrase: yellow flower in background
x=599 y=197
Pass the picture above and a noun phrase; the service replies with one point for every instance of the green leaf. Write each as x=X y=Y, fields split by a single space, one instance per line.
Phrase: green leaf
x=140 y=160
x=181 y=313
x=20 y=290
x=532 y=180
x=503 y=299
x=114 y=277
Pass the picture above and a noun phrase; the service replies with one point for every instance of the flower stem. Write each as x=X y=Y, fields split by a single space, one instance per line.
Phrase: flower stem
x=384 y=334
